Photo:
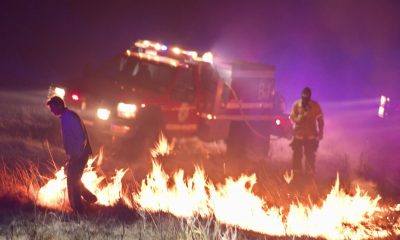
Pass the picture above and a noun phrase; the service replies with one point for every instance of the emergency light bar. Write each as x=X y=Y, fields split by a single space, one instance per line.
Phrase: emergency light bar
x=150 y=49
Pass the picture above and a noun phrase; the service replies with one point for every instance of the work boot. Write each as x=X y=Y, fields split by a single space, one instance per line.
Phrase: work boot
x=89 y=197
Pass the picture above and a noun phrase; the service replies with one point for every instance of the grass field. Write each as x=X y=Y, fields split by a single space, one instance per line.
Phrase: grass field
x=31 y=150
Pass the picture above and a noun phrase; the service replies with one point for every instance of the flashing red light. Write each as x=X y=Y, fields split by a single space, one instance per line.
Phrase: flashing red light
x=278 y=122
x=75 y=97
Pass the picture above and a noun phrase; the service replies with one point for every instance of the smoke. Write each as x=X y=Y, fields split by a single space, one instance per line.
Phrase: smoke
x=343 y=50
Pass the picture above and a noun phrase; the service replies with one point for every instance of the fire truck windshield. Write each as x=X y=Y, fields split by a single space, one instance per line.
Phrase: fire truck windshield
x=145 y=74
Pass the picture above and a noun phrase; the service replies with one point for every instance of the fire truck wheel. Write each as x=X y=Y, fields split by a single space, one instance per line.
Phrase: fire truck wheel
x=149 y=125
x=243 y=144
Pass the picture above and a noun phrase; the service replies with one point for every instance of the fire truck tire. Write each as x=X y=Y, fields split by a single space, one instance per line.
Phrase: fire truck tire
x=149 y=125
x=243 y=144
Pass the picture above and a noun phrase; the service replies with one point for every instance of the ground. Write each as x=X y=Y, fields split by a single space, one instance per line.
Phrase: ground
x=357 y=147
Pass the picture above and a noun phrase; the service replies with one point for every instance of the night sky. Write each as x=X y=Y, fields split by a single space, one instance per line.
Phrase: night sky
x=342 y=49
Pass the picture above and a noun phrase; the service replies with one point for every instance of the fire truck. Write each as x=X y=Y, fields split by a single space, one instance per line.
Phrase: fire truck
x=152 y=88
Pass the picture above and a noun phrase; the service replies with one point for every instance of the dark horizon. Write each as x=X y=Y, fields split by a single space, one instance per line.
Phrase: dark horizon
x=343 y=50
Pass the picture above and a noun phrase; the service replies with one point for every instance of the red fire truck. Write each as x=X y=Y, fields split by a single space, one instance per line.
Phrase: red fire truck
x=152 y=87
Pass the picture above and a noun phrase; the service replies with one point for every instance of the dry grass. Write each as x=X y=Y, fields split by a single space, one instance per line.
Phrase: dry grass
x=51 y=225
x=30 y=148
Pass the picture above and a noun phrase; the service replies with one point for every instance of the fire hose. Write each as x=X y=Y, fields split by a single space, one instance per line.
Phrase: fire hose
x=248 y=124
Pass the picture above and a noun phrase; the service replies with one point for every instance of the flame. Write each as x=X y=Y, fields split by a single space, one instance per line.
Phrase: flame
x=54 y=193
x=288 y=177
x=340 y=216
x=184 y=199
x=162 y=148
x=234 y=203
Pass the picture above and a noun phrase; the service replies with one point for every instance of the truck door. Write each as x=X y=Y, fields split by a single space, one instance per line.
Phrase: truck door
x=180 y=118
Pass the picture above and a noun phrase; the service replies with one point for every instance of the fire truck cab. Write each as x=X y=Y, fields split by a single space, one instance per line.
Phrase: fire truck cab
x=183 y=93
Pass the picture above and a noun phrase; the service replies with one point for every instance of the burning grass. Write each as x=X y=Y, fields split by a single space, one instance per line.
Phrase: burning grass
x=201 y=207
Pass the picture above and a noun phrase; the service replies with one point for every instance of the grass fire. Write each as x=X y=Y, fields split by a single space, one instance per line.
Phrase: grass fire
x=189 y=190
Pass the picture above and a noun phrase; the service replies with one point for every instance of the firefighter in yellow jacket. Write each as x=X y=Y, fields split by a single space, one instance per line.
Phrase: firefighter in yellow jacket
x=308 y=130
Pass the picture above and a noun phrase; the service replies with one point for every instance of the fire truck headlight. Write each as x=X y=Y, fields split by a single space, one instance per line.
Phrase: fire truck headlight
x=126 y=110
x=103 y=113
x=59 y=92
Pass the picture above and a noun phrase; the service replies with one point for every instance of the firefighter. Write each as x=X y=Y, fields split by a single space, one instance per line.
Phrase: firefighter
x=78 y=149
x=308 y=130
